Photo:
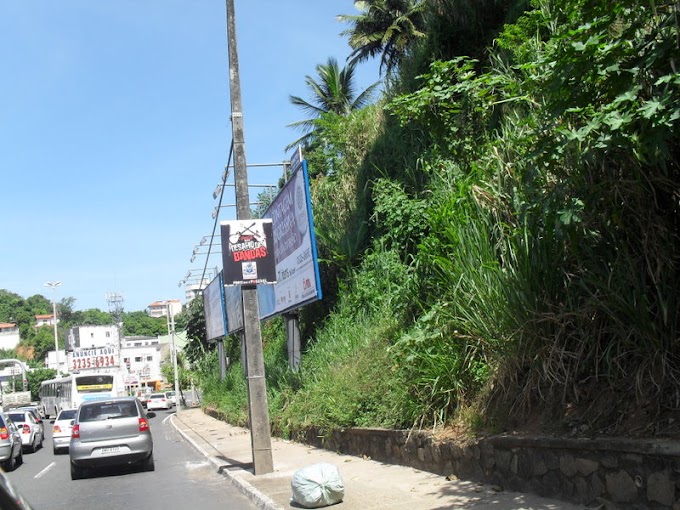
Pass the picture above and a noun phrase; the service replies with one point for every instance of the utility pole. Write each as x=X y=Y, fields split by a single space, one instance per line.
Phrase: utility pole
x=260 y=434
x=53 y=286
x=171 y=327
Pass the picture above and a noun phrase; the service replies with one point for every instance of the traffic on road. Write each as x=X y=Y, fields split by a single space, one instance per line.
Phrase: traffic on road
x=181 y=476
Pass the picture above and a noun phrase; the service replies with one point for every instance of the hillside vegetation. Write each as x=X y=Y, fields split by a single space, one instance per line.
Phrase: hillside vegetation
x=498 y=234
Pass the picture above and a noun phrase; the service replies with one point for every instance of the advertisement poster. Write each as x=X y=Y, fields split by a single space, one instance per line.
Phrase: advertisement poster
x=295 y=246
x=93 y=359
x=215 y=319
x=248 y=252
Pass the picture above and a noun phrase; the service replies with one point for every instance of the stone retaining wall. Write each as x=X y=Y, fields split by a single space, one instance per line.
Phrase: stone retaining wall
x=625 y=474
x=615 y=473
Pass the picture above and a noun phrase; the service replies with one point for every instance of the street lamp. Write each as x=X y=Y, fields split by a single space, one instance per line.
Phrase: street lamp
x=171 y=328
x=197 y=251
x=53 y=286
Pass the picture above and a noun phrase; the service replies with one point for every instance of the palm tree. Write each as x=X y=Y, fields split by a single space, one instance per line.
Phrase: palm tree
x=385 y=27
x=333 y=92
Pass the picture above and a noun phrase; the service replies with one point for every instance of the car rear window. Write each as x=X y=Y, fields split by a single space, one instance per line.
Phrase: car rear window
x=107 y=411
x=17 y=417
x=158 y=395
x=68 y=414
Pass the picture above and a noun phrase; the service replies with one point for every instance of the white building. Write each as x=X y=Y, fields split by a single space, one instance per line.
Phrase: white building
x=44 y=320
x=91 y=337
x=9 y=335
x=194 y=290
x=51 y=361
x=142 y=359
x=161 y=308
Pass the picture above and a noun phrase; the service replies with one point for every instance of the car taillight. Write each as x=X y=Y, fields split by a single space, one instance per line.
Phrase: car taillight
x=75 y=432
x=57 y=429
x=4 y=433
x=26 y=429
x=143 y=424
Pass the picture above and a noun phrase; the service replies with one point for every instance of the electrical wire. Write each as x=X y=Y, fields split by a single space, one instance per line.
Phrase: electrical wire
x=217 y=216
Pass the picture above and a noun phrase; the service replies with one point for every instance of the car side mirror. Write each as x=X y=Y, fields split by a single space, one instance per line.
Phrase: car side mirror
x=150 y=414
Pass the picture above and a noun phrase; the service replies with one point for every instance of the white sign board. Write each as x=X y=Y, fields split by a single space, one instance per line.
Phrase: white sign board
x=93 y=359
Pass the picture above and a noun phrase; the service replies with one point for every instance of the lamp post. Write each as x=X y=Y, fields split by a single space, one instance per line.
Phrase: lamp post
x=171 y=327
x=53 y=286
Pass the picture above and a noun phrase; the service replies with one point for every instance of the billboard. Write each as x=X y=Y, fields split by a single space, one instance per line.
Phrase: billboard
x=297 y=269
x=295 y=255
x=95 y=358
x=215 y=318
x=248 y=252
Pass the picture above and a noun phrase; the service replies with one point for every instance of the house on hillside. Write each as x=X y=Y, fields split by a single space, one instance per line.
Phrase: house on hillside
x=9 y=335
x=170 y=307
x=45 y=320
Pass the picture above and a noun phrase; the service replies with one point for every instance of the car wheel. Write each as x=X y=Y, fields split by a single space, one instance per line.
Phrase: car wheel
x=11 y=463
x=76 y=472
x=20 y=458
x=148 y=463
x=33 y=446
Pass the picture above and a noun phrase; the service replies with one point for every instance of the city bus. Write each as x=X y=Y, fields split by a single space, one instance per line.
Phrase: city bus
x=71 y=390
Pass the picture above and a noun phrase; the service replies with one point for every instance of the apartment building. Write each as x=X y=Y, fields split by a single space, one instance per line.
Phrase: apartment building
x=161 y=308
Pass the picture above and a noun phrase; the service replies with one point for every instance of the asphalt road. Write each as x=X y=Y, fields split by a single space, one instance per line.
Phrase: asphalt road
x=182 y=479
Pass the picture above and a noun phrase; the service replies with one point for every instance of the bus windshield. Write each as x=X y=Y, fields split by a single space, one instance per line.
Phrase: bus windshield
x=94 y=383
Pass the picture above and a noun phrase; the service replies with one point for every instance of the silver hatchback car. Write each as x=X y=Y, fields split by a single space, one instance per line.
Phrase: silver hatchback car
x=108 y=433
x=11 y=451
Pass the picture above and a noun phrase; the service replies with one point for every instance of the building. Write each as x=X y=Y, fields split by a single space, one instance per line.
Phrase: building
x=139 y=358
x=161 y=308
x=51 y=362
x=45 y=320
x=9 y=335
x=194 y=290
x=92 y=337
x=142 y=359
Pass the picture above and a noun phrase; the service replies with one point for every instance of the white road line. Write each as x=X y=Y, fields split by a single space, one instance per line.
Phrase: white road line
x=50 y=466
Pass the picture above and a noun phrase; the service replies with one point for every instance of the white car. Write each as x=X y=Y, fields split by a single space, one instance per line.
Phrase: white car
x=171 y=395
x=31 y=429
x=61 y=430
x=158 y=401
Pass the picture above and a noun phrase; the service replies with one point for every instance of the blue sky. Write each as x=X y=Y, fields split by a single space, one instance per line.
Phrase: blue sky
x=115 y=130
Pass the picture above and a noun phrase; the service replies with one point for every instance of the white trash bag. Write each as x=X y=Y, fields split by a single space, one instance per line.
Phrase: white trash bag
x=317 y=485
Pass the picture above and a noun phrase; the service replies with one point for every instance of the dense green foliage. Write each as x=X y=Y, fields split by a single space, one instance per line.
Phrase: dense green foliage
x=37 y=376
x=499 y=235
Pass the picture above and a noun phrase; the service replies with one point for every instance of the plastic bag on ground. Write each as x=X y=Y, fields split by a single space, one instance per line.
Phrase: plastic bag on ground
x=317 y=485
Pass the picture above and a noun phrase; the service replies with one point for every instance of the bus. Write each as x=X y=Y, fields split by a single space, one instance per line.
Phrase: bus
x=70 y=391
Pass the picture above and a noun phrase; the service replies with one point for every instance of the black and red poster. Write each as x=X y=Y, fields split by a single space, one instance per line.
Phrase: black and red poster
x=248 y=252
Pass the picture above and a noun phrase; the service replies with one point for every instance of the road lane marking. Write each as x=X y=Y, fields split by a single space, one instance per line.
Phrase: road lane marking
x=50 y=466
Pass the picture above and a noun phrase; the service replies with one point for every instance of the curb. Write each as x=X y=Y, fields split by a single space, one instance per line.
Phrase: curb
x=262 y=501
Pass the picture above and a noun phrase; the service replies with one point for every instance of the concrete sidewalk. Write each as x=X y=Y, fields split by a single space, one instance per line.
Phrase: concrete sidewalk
x=369 y=485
